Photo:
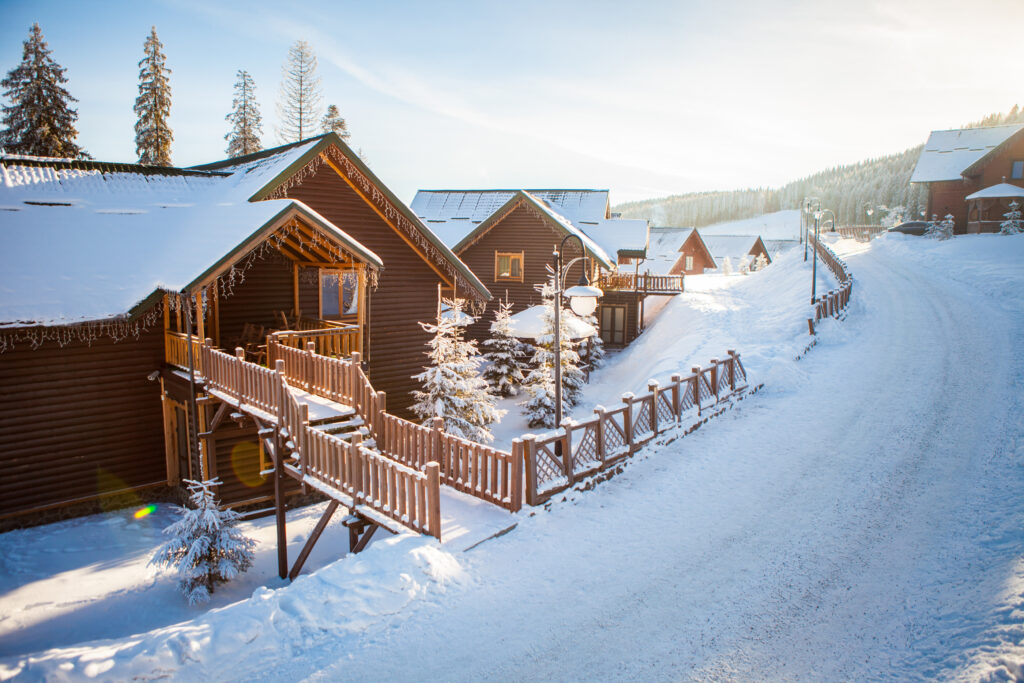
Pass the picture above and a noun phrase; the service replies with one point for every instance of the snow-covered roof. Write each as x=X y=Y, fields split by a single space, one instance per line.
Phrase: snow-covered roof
x=85 y=241
x=1000 y=191
x=529 y=324
x=666 y=241
x=733 y=246
x=948 y=153
x=616 y=235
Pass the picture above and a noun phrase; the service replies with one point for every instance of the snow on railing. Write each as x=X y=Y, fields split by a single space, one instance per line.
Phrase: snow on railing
x=833 y=302
x=555 y=461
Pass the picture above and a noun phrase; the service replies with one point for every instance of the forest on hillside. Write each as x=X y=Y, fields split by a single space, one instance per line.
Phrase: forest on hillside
x=881 y=186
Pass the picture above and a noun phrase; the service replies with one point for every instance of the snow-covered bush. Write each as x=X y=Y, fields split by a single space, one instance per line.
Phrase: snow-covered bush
x=940 y=230
x=760 y=263
x=592 y=348
x=453 y=389
x=503 y=351
x=205 y=547
x=744 y=265
x=1013 y=225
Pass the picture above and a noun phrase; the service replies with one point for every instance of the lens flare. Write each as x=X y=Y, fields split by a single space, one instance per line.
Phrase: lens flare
x=145 y=512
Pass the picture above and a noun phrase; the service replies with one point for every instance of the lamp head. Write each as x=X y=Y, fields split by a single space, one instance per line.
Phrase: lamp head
x=583 y=299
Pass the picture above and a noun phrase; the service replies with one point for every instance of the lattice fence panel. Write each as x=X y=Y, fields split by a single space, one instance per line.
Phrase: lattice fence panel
x=723 y=379
x=549 y=467
x=704 y=386
x=665 y=412
x=584 y=451
x=642 y=423
x=686 y=399
x=614 y=436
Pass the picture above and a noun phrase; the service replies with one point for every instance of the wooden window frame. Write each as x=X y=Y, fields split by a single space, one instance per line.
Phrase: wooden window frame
x=1014 y=164
x=687 y=263
x=359 y=293
x=600 y=326
x=512 y=255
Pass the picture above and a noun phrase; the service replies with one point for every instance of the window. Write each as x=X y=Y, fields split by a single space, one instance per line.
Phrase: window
x=508 y=266
x=613 y=325
x=1017 y=171
x=339 y=294
x=689 y=264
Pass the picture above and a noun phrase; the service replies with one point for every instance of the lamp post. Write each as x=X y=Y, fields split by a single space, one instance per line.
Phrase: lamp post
x=814 y=269
x=811 y=205
x=583 y=302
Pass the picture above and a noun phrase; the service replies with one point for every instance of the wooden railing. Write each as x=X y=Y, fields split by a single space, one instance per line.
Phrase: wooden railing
x=481 y=471
x=246 y=383
x=861 y=233
x=641 y=282
x=833 y=302
x=176 y=350
x=328 y=337
x=555 y=461
x=341 y=380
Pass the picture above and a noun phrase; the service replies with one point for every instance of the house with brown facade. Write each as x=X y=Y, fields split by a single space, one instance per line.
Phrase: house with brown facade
x=131 y=293
x=958 y=163
x=507 y=238
x=736 y=248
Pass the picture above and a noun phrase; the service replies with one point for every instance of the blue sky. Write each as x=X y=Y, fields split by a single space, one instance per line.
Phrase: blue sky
x=644 y=98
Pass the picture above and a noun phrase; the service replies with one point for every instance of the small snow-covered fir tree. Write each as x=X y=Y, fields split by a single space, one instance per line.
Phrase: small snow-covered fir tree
x=1013 y=225
x=940 y=230
x=744 y=265
x=153 y=134
x=298 y=106
x=540 y=384
x=726 y=266
x=452 y=386
x=503 y=351
x=245 y=119
x=333 y=122
x=206 y=548
x=760 y=263
x=39 y=121
x=592 y=348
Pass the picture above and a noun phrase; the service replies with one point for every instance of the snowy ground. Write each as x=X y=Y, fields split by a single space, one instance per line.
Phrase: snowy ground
x=859 y=518
x=781 y=225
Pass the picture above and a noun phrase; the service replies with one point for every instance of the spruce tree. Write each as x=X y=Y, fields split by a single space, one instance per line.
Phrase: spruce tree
x=592 y=348
x=940 y=230
x=726 y=266
x=205 y=548
x=39 y=120
x=245 y=119
x=502 y=350
x=153 y=134
x=333 y=122
x=1013 y=225
x=299 y=105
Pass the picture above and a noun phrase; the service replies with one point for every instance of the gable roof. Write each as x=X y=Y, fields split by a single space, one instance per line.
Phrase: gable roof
x=949 y=154
x=270 y=173
x=733 y=246
x=94 y=241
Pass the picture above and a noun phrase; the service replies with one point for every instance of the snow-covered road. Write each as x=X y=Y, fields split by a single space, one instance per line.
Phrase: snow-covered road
x=863 y=521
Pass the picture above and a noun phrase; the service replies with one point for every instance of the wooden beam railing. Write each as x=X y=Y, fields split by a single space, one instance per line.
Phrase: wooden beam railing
x=329 y=338
x=834 y=301
x=640 y=282
x=176 y=350
x=555 y=461
x=481 y=471
x=861 y=233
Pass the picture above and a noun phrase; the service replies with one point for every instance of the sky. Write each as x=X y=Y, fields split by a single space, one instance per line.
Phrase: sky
x=644 y=98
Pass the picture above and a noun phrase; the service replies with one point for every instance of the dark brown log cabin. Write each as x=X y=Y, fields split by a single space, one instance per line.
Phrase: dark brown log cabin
x=957 y=163
x=94 y=413
x=694 y=256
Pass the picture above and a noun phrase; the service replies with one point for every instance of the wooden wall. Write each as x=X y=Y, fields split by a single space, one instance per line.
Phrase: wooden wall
x=692 y=247
x=631 y=301
x=79 y=421
x=406 y=294
x=268 y=288
x=520 y=231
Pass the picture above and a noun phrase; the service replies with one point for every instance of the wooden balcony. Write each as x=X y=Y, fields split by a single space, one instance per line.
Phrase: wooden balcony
x=330 y=338
x=643 y=283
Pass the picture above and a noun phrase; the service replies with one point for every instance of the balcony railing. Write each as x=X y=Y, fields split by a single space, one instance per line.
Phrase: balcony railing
x=642 y=282
x=331 y=338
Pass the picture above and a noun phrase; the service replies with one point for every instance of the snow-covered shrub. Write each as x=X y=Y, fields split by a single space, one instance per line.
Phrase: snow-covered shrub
x=940 y=230
x=1013 y=225
x=726 y=266
x=205 y=547
x=453 y=389
x=744 y=265
x=760 y=263
x=592 y=348
x=503 y=351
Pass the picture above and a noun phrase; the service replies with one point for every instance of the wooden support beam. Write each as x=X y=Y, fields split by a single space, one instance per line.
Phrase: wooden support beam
x=364 y=540
x=313 y=538
x=282 y=535
x=218 y=417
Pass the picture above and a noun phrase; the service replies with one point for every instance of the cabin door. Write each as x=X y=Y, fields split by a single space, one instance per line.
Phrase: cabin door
x=613 y=325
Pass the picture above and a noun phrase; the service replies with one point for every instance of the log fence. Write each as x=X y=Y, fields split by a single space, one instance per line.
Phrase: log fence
x=833 y=302
x=556 y=460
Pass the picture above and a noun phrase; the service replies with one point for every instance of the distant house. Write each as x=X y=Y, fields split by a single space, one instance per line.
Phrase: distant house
x=694 y=256
x=736 y=247
x=961 y=162
x=507 y=238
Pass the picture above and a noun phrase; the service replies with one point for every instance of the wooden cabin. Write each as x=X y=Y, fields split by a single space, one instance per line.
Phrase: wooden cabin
x=961 y=162
x=694 y=256
x=736 y=248
x=507 y=238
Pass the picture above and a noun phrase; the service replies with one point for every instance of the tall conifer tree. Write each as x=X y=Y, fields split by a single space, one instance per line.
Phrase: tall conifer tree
x=299 y=104
x=39 y=120
x=245 y=119
x=153 y=134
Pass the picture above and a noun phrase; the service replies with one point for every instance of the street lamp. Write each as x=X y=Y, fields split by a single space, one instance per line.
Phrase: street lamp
x=814 y=270
x=583 y=302
x=811 y=205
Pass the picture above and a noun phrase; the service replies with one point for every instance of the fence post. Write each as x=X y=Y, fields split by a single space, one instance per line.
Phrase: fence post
x=567 y=450
x=359 y=469
x=652 y=386
x=434 y=498
x=732 y=370
x=436 y=445
x=515 y=489
x=627 y=421
x=696 y=387
x=599 y=435
x=299 y=437
x=714 y=377
x=239 y=373
x=353 y=378
x=530 y=463
x=677 y=411
x=279 y=391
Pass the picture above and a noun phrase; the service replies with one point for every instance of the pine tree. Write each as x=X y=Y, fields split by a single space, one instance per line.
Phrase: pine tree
x=940 y=230
x=298 y=105
x=205 y=547
x=153 y=134
x=726 y=266
x=245 y=119
x=452 y=387
x=1013 y=225
x=760 y=263
x=502 y=350
x=39 y=120
x=540 y=383
x=332 y=122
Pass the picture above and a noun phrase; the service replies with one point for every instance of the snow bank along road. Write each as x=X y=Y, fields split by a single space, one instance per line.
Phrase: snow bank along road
x=859 y=518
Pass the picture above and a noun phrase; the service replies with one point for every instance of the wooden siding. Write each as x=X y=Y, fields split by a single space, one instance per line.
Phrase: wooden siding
x=525 y=231
x=692 y=247
x=80 y=421
x=268 y=288
x=405 y=295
